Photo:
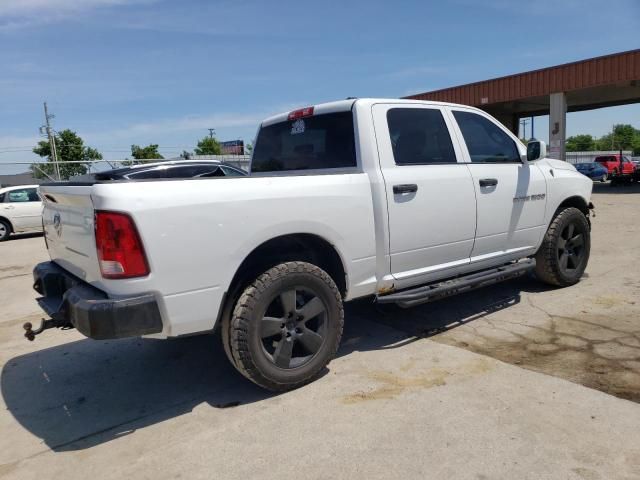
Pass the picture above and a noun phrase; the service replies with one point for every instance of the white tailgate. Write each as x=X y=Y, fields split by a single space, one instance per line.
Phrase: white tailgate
x=68 y=218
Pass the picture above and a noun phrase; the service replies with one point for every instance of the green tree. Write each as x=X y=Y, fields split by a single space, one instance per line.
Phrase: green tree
x=208 y=146
x=581 y=143
x=248 y=148
x=150 y=152
x=69 y=148
x=623 y=136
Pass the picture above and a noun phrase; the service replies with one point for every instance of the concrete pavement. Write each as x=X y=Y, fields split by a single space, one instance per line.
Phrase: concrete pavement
x=408 y=396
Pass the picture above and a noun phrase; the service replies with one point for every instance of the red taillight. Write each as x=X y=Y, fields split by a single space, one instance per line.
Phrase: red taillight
x=120 y=251
x=303 y=112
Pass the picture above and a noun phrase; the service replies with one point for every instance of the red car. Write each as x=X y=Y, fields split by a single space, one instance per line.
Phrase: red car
x=612 y=164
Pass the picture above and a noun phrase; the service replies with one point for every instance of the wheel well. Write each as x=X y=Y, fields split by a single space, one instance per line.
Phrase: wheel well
x=302 y=247
x=6 y=220
x=576 y=202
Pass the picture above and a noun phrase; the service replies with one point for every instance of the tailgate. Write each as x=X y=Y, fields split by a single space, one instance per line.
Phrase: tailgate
x=68 y=219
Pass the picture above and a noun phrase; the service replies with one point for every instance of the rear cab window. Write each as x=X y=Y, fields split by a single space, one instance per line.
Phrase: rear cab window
x=419 y=136
x=306 y=144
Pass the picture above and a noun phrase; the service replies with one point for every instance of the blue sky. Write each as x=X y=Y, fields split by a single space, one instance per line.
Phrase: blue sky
x=157 y=71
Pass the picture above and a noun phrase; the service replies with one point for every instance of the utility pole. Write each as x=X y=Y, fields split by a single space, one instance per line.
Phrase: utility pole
x=211 y=132
x=52 y=141
x=533 y=137
x=523 y=123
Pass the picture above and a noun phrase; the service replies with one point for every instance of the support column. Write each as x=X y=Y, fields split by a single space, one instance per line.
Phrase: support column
x=509 y=120
x=557 y=125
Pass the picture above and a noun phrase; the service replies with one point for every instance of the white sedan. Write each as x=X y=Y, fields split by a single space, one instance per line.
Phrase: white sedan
x=20 y=210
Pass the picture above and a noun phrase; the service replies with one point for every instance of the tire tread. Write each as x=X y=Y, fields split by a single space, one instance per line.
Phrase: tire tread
x=242 y=314
x=547 y=269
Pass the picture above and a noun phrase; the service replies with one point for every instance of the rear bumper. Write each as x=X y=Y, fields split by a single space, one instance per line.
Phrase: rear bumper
x=68 y=299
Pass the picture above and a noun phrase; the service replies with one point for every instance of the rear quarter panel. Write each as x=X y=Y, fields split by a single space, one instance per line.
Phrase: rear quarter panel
x=196 y=233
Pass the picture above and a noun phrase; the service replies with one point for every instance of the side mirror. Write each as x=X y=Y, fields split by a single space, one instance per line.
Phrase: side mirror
x=536 y=149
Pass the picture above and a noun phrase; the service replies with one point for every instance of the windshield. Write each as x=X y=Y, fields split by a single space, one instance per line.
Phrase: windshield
x=309 y=143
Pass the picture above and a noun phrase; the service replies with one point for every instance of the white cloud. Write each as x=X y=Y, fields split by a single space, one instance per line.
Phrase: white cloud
x=38 y=7
x=183 y=124
x=18 y=14
x=190 y=123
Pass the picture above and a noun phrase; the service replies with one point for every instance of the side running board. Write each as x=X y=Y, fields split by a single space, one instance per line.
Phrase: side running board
x=435 y=291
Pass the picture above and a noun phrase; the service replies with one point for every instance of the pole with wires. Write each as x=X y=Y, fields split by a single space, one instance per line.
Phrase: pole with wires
x=52 y=141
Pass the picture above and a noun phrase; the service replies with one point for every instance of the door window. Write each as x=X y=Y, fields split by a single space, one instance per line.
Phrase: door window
x=486 y=142
x=419 y=136
x=23 y=195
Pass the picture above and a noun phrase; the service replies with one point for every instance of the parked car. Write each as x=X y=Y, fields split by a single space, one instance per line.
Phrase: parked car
x=442 y=198
x=615 y=172
x=20 y=210
x=172 y=169
x=593 y=170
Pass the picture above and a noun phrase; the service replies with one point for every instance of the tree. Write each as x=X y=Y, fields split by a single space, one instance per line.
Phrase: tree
x=624 y=137
x=580 y=143
x=248 y=148
x=208 y=146
x=69 y=148
x=185 y=155
x=150 y=152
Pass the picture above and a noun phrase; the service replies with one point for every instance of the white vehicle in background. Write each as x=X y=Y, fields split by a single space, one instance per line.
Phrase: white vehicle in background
x=401 y=201
x=20 y=210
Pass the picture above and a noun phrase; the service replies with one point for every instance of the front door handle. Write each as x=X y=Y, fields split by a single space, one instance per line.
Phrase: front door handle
x=488 y=182
x=9 y=207
x=405 y=188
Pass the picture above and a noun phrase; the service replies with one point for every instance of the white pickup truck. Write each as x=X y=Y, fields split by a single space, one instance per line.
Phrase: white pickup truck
x=401 y=201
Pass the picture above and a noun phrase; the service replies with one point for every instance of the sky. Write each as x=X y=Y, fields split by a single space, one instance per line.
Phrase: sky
x=123 y=72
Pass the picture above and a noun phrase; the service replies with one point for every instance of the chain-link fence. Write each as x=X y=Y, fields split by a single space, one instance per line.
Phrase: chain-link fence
x=588 y=157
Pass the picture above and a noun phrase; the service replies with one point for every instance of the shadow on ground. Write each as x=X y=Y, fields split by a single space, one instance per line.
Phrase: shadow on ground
x=21 y=236
x=622 y=188
x=87 y=392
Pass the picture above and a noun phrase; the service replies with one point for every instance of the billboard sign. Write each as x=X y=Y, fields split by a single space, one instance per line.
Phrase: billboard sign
x=233 y=147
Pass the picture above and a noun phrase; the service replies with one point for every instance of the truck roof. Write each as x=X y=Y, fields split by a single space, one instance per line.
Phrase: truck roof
x=347 y=104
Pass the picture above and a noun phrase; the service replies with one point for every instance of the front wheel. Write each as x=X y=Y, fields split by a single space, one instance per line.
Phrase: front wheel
x=564 y=253
x=286 y=326
x=604 y=178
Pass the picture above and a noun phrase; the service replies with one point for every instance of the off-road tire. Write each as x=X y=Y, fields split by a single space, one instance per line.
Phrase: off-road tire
x=245 y=341
x=549 y=267
x=5 y=232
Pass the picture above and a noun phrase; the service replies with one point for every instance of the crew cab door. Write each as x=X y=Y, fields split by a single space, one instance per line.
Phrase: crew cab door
x=23 y=207
x=430 y=195
x=510 y=191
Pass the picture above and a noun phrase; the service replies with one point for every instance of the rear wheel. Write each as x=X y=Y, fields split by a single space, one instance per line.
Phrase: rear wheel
x=286 y=326
x=604 y=178
x=564 y=253
x=5 y=230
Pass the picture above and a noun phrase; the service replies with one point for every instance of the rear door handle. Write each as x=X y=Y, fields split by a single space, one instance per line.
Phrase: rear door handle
x=488 y=182
x=405 y=188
